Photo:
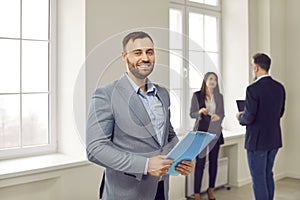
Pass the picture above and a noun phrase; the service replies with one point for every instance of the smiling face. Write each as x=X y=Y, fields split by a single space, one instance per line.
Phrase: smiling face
x=139 y=58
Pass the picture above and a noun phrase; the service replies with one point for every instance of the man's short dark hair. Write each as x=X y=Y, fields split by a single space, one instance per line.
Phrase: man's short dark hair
x=262 y=60
x=133 y=36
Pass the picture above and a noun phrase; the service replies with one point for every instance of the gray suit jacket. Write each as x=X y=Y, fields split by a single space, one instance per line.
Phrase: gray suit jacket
x=120 y=137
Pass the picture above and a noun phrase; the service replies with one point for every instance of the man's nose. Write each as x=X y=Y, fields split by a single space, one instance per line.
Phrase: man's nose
x=145 y=57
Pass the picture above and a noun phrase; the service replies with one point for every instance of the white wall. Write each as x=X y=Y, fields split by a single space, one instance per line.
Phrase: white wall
x=106 y=25
x=292 y=136
x=235 y=59
x=277 y=41
x=70 y=56
x=76 y=183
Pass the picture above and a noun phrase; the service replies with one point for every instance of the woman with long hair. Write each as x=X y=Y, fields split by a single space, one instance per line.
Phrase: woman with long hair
x=207 y=107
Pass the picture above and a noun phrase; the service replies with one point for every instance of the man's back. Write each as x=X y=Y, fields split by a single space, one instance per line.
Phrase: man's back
x=264 y=107
x=265 y=100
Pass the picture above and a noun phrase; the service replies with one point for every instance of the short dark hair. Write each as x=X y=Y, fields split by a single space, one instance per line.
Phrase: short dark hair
x=262 y=60
x=133 y=36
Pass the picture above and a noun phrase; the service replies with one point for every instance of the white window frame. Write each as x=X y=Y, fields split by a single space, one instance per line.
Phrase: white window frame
x=185 y=6
x=204 y=6
x=51 y=147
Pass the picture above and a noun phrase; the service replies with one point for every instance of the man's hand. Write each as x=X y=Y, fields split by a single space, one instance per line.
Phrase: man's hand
x=238 y=114
x=185 y=167
x=159 y=165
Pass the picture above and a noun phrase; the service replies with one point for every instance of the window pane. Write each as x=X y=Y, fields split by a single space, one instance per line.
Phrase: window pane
x=196 y=31
x=175 y=98
x=10 y=18
x=9 y=66
x=211 y=34
x=35 y=119
x=212 y=2
x=196 y=71
x=212 y=65
x=196 y=62
x=197 y=1
x=35 y=16
x=208 y=2
x=9 y=121
x=212 y=62
x=176 y=69
x=175 y=29
x=35 y=66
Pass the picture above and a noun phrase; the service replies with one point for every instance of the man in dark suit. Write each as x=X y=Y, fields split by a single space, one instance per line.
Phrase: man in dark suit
x=264 y=107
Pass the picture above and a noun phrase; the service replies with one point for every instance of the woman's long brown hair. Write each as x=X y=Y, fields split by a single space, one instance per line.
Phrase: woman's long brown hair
x=204 y=86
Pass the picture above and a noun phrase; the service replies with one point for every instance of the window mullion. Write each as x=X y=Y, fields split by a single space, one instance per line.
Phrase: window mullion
x=186 y=101
x=21 y=95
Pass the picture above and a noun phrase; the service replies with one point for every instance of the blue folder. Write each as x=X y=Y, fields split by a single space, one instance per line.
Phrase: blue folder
x=188 y=148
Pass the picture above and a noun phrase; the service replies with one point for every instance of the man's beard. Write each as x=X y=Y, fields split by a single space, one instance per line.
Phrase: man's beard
x=136 y=71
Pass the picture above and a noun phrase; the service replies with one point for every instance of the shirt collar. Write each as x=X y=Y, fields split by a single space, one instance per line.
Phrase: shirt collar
x=150 y=86
x=263 y=76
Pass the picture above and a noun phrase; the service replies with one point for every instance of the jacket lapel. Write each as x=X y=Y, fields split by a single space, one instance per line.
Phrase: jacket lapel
x=162 y=98
x=135 y=105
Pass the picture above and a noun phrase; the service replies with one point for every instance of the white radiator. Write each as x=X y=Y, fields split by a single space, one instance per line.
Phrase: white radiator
x=221 y=180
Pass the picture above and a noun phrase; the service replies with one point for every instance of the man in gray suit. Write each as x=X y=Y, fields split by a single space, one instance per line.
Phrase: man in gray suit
x=129 y=130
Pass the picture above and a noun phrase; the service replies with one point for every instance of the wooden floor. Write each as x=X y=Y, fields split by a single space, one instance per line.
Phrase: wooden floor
x=285 y=189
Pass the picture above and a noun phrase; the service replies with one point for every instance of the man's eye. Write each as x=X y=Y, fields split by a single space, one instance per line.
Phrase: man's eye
x=137 y=53
x=150 y=53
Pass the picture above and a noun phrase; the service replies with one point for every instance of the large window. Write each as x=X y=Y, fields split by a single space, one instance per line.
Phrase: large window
x=26 y=83
x=194 y=50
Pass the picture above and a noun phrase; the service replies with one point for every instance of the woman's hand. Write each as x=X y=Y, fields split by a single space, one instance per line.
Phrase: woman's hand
x=215 y=118
x=203 y=111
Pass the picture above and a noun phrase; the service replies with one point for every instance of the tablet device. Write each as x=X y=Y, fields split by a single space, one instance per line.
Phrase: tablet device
x=204 y=123
x=240 y=105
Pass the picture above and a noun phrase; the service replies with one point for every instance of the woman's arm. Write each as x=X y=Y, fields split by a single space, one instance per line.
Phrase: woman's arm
x=194 y=111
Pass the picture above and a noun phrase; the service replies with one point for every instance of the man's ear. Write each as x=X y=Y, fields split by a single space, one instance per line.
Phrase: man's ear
x=124 y=56
x=256 y=68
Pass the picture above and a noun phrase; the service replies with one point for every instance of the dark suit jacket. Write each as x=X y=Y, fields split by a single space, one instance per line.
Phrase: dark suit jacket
x=198 y=101
x=264 y=107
